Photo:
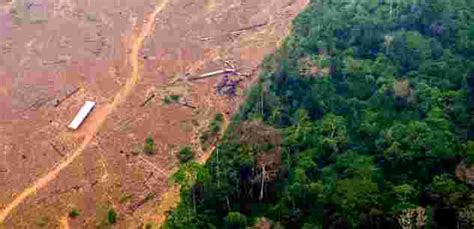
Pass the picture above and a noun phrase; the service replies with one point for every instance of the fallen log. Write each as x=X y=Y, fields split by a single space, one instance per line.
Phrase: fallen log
x=46 y=63
x=94 y=183
x=229 y=64
x=32 y=105
x=148 y=100
x=152 y=165
x=59 y=101
x=187 y=105
x=3 y=170
x=124 y=124
x=37 y=104
x=249 y=28
x=141 y=202
x=211 y=74
x=56 y=149
x=148 y=178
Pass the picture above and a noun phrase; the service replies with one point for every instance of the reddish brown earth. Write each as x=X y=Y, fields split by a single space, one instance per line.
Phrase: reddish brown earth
x=118 y=53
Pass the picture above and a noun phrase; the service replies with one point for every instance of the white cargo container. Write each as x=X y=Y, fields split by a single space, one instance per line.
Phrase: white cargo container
x=81 y=115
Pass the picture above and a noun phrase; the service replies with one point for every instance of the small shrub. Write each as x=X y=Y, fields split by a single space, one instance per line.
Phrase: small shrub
x=74 y=213
x=112 y=216
x=171 y=99
x=219 y=117
x=216 y=123
x=175 y=98
x=42 y=221
x=167 y=100
x=149 y=147
x=125 y=197
x=185 y=154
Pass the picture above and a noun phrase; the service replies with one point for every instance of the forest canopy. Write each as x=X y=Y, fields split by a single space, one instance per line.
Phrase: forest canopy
x=364 y=118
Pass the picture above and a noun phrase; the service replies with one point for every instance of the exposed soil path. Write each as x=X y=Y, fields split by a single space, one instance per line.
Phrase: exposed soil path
x=119 y=98
x=64 y=222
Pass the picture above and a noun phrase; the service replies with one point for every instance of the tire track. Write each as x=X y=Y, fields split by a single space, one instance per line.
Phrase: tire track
x=119 y=98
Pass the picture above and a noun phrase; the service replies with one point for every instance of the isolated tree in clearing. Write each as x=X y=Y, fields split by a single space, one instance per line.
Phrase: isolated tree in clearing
x=112 y=216
x=74 y=213
x=149 y=147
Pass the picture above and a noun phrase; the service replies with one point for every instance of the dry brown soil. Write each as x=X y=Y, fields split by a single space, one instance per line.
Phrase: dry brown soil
x=118 y=53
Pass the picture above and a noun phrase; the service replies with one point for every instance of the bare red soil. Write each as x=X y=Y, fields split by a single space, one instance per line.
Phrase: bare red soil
x=118 y=53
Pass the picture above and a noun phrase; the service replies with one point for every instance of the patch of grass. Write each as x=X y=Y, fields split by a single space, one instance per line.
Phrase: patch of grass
x=125 y=197
x=91 y=17
x=74 y=213
x=169 y=99
x=185 y=154
x=42 y=221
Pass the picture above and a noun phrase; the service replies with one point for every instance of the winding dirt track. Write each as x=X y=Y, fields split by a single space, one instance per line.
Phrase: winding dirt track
x=119 y=98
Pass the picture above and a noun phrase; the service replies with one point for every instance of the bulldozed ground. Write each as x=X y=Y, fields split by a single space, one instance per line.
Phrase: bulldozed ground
x=125 y=56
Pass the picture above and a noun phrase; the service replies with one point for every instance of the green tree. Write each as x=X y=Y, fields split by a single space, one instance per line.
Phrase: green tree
x=185 y=154
x=112 y=216
x=235 y=220
x=352 y=195
x=469 y=152
x=405 y=195
x=334 y=130
x=443 y=184
x=149 y=147
x=74 y=213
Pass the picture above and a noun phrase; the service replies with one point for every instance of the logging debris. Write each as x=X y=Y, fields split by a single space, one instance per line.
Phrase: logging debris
x=56 y=149
x=138 y=204
x=69 y=95
x=152 y=165
x=37 y=104
x=211 y=74
x=248 y=28
x=231 y=71
x=148 y=100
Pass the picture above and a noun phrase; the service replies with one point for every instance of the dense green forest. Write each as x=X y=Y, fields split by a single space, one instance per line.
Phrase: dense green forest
x=364 y=118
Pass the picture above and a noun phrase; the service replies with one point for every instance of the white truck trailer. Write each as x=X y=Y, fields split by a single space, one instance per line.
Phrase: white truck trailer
x=82 y=115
